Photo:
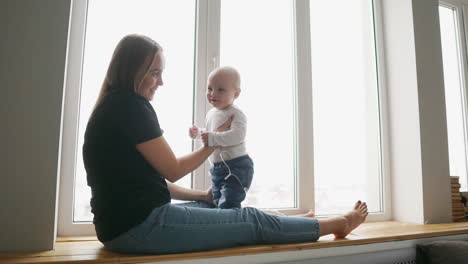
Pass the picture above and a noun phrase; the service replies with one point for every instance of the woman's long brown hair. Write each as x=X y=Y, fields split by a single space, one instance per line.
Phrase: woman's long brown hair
x=130 y=62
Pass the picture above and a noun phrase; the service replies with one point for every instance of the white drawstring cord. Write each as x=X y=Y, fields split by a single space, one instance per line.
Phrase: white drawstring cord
x=229 y=169
x=230 y=173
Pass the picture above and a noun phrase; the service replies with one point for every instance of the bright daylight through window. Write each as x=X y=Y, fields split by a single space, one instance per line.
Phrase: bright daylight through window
x=175 y=97
x=347 y=153
x=345 y=111
x=265 y=62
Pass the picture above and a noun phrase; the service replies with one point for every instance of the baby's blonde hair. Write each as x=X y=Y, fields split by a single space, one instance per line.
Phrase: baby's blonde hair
x=229 y=71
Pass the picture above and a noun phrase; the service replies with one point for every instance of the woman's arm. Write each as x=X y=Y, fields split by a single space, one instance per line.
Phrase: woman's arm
x=184 y=194
x=158 y=153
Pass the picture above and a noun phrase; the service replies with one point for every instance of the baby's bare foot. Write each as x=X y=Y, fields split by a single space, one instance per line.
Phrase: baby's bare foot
x=352 y=219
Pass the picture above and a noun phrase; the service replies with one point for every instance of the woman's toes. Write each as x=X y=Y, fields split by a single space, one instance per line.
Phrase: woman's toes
x=358 y=203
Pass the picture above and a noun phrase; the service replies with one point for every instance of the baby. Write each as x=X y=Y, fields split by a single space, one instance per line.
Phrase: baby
x=231 y=167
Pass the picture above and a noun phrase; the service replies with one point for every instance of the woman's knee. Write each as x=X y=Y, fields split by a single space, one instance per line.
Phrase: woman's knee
x=254 y=215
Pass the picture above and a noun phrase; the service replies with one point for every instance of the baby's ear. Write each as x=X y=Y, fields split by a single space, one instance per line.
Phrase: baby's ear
x=237 y=93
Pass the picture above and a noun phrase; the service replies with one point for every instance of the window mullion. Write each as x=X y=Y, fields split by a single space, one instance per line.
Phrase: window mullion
x=385 y=187
x=207 y=58
x=303 y=119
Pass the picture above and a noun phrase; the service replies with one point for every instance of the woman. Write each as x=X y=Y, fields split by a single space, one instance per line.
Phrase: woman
x=131 y=169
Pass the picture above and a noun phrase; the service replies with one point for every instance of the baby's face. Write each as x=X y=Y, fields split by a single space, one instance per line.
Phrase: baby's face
x=221 y=91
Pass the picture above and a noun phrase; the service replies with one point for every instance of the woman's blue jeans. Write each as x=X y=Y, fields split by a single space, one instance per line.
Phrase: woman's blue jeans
x=175 y=228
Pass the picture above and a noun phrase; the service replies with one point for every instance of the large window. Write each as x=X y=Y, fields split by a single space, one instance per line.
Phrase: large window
x=345 y=105
x=266 y=65
x=309 y=89
x=455 y=100
x=103 y=31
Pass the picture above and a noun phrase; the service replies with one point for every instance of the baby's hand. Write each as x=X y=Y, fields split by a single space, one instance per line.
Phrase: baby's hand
x=204 y=137
x=193 y=132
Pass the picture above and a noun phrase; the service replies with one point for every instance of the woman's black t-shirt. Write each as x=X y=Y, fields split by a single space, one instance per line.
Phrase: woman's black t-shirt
x=125 y=187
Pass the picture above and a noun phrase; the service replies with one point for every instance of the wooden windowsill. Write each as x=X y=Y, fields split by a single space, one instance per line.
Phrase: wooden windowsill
x=89 y=250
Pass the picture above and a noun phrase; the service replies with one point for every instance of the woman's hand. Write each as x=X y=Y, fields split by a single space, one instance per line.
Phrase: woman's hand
x=226 y=126
x=204 y=138
x=185 y=194
x=209 y=196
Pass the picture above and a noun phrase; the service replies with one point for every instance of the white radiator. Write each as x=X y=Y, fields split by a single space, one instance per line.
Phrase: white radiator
x=395 y=252
x=398 y=256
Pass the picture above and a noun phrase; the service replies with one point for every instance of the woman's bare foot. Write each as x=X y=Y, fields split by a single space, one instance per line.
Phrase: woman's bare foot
x=310 y=213
x=341 y=226
x=352 y=219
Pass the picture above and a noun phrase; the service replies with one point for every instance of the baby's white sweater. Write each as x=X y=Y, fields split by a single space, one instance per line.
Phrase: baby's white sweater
x=231 y=142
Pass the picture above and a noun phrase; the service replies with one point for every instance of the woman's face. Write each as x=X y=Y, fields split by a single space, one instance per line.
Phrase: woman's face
x=153 y=78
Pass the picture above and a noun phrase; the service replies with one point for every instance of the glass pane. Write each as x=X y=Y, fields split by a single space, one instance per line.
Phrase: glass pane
x=158 y=19
x=345 y=106
x=453 y=94
x=262 y=51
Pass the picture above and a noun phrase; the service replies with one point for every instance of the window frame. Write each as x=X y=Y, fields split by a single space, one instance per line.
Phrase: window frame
x=384 y=115
x=207 y=59
x=303 y=108
x=207 y=50
x=305 y=88
x=461 y=12
x=74 y=70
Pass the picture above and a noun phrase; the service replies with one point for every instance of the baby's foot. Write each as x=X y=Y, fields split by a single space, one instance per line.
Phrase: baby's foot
x=353 y=219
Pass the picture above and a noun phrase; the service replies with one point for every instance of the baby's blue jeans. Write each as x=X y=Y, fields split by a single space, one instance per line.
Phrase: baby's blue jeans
x=176 y=228
x=229 y=193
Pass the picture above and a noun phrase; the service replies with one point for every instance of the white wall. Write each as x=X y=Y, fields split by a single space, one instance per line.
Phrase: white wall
x=433 y=121
x=34 y=41
x=405 y=148
x=419 y=149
